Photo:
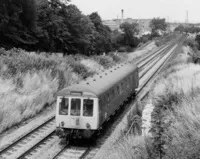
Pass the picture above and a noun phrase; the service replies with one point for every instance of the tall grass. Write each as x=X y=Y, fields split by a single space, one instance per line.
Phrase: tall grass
x=28 y=83
x=176 y=96
x=131 y=147
x=179 y=93
x=29 y=80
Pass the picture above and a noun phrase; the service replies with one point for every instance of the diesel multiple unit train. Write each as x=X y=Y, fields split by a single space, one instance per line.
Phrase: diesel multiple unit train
x=82 y=108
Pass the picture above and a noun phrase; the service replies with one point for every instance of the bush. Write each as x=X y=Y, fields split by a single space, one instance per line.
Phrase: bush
x=122 y=49
x=105 y=61
x=192 y=43
x=116 y=58
x=92 y=65
x=80 y=69
x=126 y=49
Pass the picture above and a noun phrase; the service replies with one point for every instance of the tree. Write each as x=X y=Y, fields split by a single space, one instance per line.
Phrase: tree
x=116 y=39
x=157 y=26
x=53 y=33
x=191 y=29
x=96 y=19
x=17 y=23
x=197 y=39
x=81 y=29
x=130 y=30
x=53 y=26
x=101 y=36
x=180 y=28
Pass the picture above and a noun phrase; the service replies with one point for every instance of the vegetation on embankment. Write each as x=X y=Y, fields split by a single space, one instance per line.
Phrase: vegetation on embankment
x=29 y=81
x=175 y=118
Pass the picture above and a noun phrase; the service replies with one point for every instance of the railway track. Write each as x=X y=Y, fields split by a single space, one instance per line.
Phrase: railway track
x=72 y=152
x=23 y=144
x=142 y=96
x=30 y=143
x=92 y=152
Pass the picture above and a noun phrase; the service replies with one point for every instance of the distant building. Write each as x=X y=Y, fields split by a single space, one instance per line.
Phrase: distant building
x=112 y=24
x=143 y=24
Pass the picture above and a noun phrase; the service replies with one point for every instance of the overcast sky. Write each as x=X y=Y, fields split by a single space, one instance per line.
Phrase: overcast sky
x=172 y=10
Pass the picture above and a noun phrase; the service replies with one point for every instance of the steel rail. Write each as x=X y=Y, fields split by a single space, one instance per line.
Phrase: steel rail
x=150 y=78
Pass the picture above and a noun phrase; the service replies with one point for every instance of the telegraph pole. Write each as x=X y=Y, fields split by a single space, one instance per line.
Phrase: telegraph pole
x=187 y=18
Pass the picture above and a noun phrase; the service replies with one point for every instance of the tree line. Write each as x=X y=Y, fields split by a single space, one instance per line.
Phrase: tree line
x=54 y=26
x=187 y=29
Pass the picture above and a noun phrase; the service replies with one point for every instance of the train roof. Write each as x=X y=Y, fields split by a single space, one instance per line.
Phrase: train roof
x=101 y=82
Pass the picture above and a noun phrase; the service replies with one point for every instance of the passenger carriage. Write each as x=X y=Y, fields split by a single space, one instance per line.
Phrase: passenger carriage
x=82 y=108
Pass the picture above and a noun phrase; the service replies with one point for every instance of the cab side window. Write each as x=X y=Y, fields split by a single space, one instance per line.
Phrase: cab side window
x=63 y=106
x=88 y=107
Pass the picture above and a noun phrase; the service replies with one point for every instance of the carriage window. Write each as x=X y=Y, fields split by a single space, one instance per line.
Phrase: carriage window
x=75 y=106
x=118 y=90
x=122 y=87
x=113 y=94
x=88 y=107
x=127 y=83
x=108 y=97
x=63 y=106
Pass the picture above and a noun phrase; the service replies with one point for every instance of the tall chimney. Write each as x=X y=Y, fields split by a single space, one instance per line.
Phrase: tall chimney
x=122 y=20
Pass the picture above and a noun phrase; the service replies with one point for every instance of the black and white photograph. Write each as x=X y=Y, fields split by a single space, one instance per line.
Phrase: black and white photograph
x=99 y=79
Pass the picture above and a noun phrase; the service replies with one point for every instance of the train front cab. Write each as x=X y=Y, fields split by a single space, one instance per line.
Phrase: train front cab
x=77 y=116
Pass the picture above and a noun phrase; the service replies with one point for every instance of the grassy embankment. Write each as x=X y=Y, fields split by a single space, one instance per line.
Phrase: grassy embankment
x=29 y=81
x=175 y=118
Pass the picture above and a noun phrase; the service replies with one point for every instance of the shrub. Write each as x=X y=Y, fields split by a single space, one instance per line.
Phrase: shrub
x=122 y=49
x=125 y=49
x=116 y=57
x=80 y=69
x=192 y=43
x=91 y=65
x=131 y=147
x=134 y=120
x=105 y=61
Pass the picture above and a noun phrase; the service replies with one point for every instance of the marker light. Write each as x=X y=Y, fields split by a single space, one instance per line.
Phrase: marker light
x=62 y=123
x=88 y=126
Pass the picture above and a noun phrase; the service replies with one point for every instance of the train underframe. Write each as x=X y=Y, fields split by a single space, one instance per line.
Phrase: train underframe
x=69 y=134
